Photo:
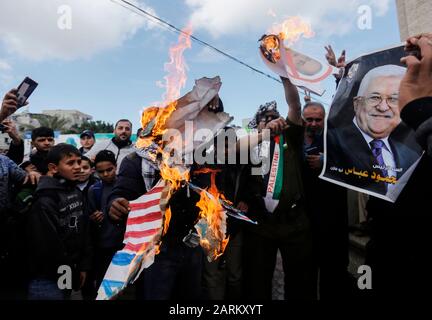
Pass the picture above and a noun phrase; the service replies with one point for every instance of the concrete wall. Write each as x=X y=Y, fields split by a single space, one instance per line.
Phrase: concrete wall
x=415 y=16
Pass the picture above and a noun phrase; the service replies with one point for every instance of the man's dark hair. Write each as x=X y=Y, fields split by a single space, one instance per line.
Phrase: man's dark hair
x=123 y=120
x=84 y=158
x=42 y=132
x=60 y=151
x=314 y=104
x=105 y=155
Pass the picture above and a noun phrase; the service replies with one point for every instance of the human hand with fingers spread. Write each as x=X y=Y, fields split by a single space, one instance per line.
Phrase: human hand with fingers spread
x=341 y=60
x=331 y=57
x=33 y=177
x=30 y=168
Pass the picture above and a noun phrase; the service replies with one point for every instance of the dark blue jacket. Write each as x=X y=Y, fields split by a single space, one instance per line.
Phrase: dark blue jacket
x=107 y=234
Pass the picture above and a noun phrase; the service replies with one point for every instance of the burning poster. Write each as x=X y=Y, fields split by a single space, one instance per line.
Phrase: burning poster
x=302 y=70
x=192 y=109
x=367 y=146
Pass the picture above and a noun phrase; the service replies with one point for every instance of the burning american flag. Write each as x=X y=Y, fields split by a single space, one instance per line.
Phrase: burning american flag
x=143 y=232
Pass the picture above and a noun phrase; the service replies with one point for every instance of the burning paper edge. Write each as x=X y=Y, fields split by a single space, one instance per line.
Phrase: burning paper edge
x=212 y=243
x=228 y=207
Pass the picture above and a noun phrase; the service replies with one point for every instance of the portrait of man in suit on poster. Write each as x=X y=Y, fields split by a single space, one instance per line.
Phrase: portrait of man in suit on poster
x=374 y=150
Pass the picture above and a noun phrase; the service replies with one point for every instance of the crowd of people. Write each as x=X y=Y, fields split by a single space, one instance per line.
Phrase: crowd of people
x=63 y=206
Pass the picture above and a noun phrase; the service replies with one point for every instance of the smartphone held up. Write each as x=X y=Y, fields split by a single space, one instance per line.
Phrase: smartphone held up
x=24 y=90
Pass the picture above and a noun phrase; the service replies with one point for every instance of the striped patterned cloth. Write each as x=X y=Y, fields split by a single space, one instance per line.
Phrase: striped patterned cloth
x=143 y=231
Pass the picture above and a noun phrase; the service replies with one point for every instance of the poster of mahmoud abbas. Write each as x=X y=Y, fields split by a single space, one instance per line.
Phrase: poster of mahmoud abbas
x=368 y=148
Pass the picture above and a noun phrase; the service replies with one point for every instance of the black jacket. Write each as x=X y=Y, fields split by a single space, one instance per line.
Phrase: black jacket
x=418 y=115
x=85 y=191
x=39 y=160
x=330 y=231
x=57 y=229
x=400 y=231
x=16 y=152
x=289 y=219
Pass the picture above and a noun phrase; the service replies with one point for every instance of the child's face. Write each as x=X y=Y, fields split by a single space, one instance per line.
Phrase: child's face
x=86 y=171
x=87 y=142
x=69 y=167
x=106 y=171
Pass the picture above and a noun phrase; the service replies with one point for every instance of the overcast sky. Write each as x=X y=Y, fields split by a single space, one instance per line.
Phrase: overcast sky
x=109 y=62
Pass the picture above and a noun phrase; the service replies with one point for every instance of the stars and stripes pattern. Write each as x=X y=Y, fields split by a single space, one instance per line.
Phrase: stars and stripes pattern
x=143 y=230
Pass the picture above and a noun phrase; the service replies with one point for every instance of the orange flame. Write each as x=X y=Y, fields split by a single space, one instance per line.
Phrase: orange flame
x=214 y=242
x=157 y=116
x=222 y=247
x=292 y=29
x=206 y=170
x=153 y=119
x=167 y=219
x=175 y=80
x=174 y=175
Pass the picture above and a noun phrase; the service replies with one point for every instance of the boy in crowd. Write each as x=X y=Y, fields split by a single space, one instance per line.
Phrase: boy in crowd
x=107 y=235
x=86 y=178
x=57 y=229
x=87 y=140
x=42 y=141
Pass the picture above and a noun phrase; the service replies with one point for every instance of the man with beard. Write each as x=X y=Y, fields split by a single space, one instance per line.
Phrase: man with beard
x=120 y=144
x=313 y=121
